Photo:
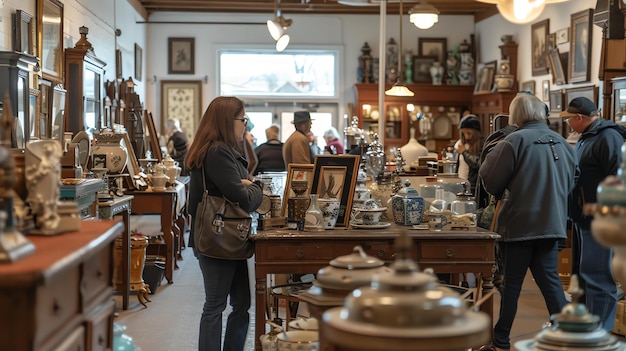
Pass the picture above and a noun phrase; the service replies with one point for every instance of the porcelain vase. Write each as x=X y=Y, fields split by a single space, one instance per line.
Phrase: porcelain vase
x=109 y=153
x=330 y=211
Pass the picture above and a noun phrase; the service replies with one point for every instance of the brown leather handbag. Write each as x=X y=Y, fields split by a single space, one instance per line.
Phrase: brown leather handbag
x=222 y=228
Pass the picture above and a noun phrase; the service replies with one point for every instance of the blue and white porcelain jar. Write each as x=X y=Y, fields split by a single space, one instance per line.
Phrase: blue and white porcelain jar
x=408 y=206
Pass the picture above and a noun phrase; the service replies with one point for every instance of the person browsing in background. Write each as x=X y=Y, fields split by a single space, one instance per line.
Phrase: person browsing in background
x=270 y=153
x=177 y=143
x=297 y=149
x=538 y=169
x=247 y=145
x=599 y=155
x=333 y=144
x=315 y=149
x=215 y=152
x=469 y=149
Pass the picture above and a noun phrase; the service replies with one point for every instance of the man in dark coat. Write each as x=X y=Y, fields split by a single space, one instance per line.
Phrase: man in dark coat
x=599 y=155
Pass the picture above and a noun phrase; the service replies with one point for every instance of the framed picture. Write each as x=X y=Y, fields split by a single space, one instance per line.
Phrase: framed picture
x=528 y=85
x=590 y=92
x=556 y=101
x=24 y=33
x=562 y=36
x=180 y=55
x=580 y=46
x=421 y=68
x=550 y=42
x=545 y=90
x=132 y=164
x=50 y=38
x=351 y=164
x=556 y=67
x=485 y=80
x=538 y=34
x=138 y=62
x=433 y=47
x=181 y=99
x=296 y=171
x=152 y=136
x=331 y=179
x=118 y=64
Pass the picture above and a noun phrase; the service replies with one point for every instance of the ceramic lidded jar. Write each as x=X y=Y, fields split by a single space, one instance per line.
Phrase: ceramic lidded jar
x=171 y=169
x=108 y=152
x=158 y=179
x=407 y=309
x=408 y=206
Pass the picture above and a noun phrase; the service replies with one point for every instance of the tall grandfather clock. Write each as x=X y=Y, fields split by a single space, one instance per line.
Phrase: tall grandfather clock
x=85 y=89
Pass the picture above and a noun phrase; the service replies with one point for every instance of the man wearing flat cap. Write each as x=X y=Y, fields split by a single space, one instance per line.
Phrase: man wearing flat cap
x=599 y=155
x=296 y=149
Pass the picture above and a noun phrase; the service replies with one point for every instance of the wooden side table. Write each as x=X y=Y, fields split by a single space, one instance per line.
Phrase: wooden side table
x=121 y=206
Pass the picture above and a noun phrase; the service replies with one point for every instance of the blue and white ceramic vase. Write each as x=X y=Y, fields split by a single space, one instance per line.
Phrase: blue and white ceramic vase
x=408 y=206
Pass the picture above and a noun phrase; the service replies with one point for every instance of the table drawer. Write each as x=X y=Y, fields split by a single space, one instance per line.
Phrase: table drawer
x=99 y=327
x=57 y=304
x=73 y=342
x=454 y=250
x=296 y=252
x=382 y=250
x=97 y=277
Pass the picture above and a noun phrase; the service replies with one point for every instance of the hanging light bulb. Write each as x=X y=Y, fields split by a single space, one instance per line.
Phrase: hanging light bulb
x=521 y=11
x=282 y=42
x=423 y=15
x=399 y=89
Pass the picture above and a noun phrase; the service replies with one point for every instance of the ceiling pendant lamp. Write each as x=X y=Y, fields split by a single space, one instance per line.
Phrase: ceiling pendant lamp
x=399 y=89
x=277 y=27
x=521 y=11
x=423 y=15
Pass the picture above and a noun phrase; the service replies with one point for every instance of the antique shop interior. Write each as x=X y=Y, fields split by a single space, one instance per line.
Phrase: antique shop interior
x=95 y=225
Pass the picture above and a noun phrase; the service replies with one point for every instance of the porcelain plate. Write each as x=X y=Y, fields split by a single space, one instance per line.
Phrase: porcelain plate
x=378 y=225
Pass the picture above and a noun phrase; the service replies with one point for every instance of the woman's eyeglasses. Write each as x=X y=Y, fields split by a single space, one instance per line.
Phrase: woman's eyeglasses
x=243 y=119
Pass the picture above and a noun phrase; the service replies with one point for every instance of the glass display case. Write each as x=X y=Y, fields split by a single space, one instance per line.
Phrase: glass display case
x=20 y=82
x=83 y=81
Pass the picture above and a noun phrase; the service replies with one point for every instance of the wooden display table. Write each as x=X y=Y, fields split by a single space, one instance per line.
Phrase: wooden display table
x=60 y=298
x=292 y=252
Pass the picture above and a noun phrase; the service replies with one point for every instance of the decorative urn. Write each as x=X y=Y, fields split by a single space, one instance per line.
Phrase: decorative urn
x=408 y=206
x=108 y=152
x=159 y=179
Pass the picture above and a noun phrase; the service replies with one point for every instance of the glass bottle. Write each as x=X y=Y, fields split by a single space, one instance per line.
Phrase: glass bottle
x=314 y=218
x=436 y=217
x=463 y=210
x=439 y=204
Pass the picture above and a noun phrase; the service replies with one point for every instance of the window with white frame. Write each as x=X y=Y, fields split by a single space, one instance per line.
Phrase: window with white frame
x=297 y=74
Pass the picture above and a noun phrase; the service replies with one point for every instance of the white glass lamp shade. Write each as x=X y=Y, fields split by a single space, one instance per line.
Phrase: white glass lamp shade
x=275 y=29
x=399 y=90
x=282 y=42
x=521 y=11
x=423 y=15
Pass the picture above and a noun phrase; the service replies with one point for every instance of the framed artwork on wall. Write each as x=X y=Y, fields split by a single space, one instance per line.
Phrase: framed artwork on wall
x=181 y=99
x=590 y=92
x=485 y=80
x=545 y=90
x=180 y=55
x=50 y=38
x=538 y=36
x=24 y=33
x=556 y=101
x=556 y=67
x=138 y=62
x=528 y=85
x=118 y=64
x=580 y=46
x=562 y=36
x=433 y=47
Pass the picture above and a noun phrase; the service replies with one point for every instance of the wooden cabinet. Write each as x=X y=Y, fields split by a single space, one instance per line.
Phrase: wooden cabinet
x=487 y=106
x=60 y=298
x=20 y=83
x=84 y=84
x=400 y=113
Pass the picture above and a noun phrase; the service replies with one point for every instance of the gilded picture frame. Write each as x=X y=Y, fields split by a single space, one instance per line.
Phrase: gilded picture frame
x=181 y=99
x=24 y=33
x=50 y=38
x=528 y=85
x=538 y=41
x=580 y=46
x=556 y=67
x=296 y=171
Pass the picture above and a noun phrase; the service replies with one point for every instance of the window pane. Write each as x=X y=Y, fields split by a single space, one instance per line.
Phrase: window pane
x=261 y=121
x=305 y=74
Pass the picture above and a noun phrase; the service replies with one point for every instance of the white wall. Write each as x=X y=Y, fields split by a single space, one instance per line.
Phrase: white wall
x=349 y=32
x=101 y=17
x=559 y=14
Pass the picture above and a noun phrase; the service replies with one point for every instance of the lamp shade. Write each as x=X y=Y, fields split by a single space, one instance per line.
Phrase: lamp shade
x=399 y=90
x=521 y=11
x=275 y=29
x=282 y=42
x=423 y=15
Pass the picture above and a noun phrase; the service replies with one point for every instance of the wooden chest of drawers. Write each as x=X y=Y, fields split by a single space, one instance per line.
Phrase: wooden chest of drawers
x=60 y=298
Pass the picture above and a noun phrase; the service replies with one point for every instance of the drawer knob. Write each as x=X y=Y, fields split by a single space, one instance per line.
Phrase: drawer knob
x=299 y=254
x=56 y=308
x=450 y=253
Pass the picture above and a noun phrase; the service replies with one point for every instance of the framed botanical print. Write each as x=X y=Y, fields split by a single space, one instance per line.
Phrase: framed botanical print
x=538 y=37
x=180 y=55
x=580 y=46
x=336 y=165
x=50 y=38
x=181 y=99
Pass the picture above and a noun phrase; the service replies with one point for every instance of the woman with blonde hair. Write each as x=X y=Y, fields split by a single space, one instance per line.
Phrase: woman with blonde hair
x=215 y=159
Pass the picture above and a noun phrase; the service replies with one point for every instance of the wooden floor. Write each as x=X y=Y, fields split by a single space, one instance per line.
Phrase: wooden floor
x=170 y=322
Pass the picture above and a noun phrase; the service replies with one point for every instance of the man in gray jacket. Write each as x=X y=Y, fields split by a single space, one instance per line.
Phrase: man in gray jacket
x=539 y=169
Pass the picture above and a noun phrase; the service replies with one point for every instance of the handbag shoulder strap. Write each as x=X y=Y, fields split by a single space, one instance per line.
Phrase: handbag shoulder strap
x=220 y=212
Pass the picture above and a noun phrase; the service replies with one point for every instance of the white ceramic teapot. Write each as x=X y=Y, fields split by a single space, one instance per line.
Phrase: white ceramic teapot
x=172 y=170
x=159 y=179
